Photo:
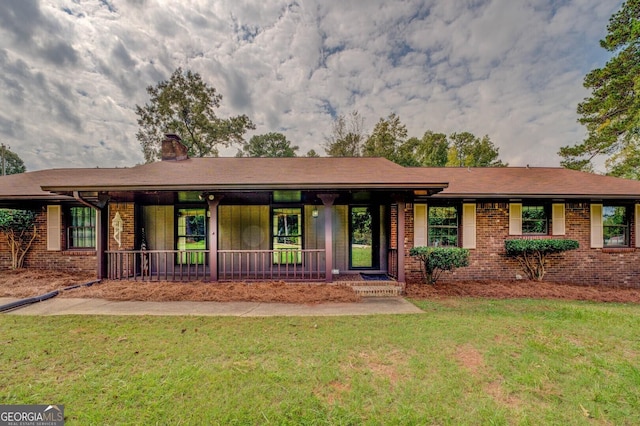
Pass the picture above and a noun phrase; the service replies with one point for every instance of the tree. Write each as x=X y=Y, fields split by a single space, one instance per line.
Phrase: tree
x=268 y=145
x=186 y=105
x=10 y=162
x=612 y=113
x=406 y=153
x=387 y=137
x=347 y=136
x=467 y=150
x=312 y=153
x=430 y=151
x=19 y=228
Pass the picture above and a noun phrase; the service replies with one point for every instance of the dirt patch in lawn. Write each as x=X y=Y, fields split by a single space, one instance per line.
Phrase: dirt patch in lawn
x=521 y=289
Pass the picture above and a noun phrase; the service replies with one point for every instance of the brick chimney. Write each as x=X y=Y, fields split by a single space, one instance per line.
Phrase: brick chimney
x=173 y=149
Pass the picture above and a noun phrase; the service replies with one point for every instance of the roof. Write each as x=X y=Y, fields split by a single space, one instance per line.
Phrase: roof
x=250 y=174
x=27 y=186
x=530 y=182
x=246 y=174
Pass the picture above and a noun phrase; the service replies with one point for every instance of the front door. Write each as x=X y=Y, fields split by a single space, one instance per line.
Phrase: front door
x=192 y=235
x=364 y=237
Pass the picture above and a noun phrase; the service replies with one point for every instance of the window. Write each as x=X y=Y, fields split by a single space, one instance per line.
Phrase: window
x=534 y=220
x=192 y=235
x=287 y=235
x=615 y=226
x=81 y=229
x=442 y=226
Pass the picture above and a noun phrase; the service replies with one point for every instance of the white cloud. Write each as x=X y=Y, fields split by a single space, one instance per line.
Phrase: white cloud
x=72 y=72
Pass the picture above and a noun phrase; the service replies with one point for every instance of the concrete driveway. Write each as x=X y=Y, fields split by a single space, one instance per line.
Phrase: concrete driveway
x=67 y=306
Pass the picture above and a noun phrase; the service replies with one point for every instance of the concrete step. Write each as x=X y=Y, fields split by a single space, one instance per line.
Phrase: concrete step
x=377 y=290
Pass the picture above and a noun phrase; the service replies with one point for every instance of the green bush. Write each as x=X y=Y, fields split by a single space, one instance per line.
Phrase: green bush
x=435 y=260
x=532 y=254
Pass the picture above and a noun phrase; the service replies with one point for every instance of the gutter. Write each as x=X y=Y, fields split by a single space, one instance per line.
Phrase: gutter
x=31 y=300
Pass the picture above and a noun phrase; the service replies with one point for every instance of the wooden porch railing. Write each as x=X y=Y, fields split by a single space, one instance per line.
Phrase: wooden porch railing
x=292 y=265
x=233 y=265
x=157 y=265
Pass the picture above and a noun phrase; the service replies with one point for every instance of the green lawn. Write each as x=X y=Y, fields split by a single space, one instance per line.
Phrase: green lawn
x=462 y=362
x=361 y=257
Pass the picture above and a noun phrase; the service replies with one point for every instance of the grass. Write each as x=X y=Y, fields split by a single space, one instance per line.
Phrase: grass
x=462 y=362
x=361 y=256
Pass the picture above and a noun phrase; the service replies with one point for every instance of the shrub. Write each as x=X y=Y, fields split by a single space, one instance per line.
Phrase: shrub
x=435 y=260
x=19 y=227
x=532 y=254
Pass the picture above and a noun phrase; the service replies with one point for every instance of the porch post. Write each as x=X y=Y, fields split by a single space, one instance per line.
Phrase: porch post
x=400 y=245
x=102 y=221
x=327 y=201
x=213 y=201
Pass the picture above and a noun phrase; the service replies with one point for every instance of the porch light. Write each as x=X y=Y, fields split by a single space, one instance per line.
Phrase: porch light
x=314 y=212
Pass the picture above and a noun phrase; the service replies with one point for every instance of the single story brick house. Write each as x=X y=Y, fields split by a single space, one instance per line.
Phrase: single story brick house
x=311 y=219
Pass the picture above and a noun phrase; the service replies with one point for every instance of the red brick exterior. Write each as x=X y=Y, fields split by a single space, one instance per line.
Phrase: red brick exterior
x=39 y=257
x=128 y=236
x=586 y=265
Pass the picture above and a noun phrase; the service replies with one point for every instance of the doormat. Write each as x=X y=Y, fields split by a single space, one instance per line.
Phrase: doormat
x=375 y=277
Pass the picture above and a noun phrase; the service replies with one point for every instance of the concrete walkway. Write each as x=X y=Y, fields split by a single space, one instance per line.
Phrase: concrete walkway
x=65 y=306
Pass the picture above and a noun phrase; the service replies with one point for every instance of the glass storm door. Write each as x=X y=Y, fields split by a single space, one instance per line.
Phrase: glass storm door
x=363 y=238
x=287 y=235
x=192 y=235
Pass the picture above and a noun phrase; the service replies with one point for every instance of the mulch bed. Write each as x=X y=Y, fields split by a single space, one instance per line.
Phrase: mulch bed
x=28 y=283
x=277 y=291
x=520 y=289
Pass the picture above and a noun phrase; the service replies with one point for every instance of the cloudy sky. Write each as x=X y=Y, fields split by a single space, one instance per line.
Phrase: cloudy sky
x=72 y=71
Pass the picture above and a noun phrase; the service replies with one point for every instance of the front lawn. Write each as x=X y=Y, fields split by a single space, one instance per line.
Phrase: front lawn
x=465 y=361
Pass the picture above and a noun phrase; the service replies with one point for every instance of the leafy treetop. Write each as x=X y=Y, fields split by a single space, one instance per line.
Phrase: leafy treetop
x=268 y=145
x=10 y=162
x=186 y=105
x=612 y=113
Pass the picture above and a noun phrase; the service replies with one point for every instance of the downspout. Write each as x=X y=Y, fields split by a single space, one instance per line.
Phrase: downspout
x=102 y=222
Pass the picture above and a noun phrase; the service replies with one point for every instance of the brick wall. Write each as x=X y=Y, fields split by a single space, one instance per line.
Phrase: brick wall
x=39 y=257
x=611 y=267
x=128 y=236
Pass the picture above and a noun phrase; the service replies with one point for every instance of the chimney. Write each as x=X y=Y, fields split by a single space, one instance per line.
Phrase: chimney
x=173 y=149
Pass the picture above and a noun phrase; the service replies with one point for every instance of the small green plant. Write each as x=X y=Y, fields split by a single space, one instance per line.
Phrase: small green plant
x=435 y=260
x=533 y=254
x=19 y=227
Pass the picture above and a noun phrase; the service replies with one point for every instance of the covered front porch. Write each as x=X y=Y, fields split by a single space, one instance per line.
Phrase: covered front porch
x=269 y=235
